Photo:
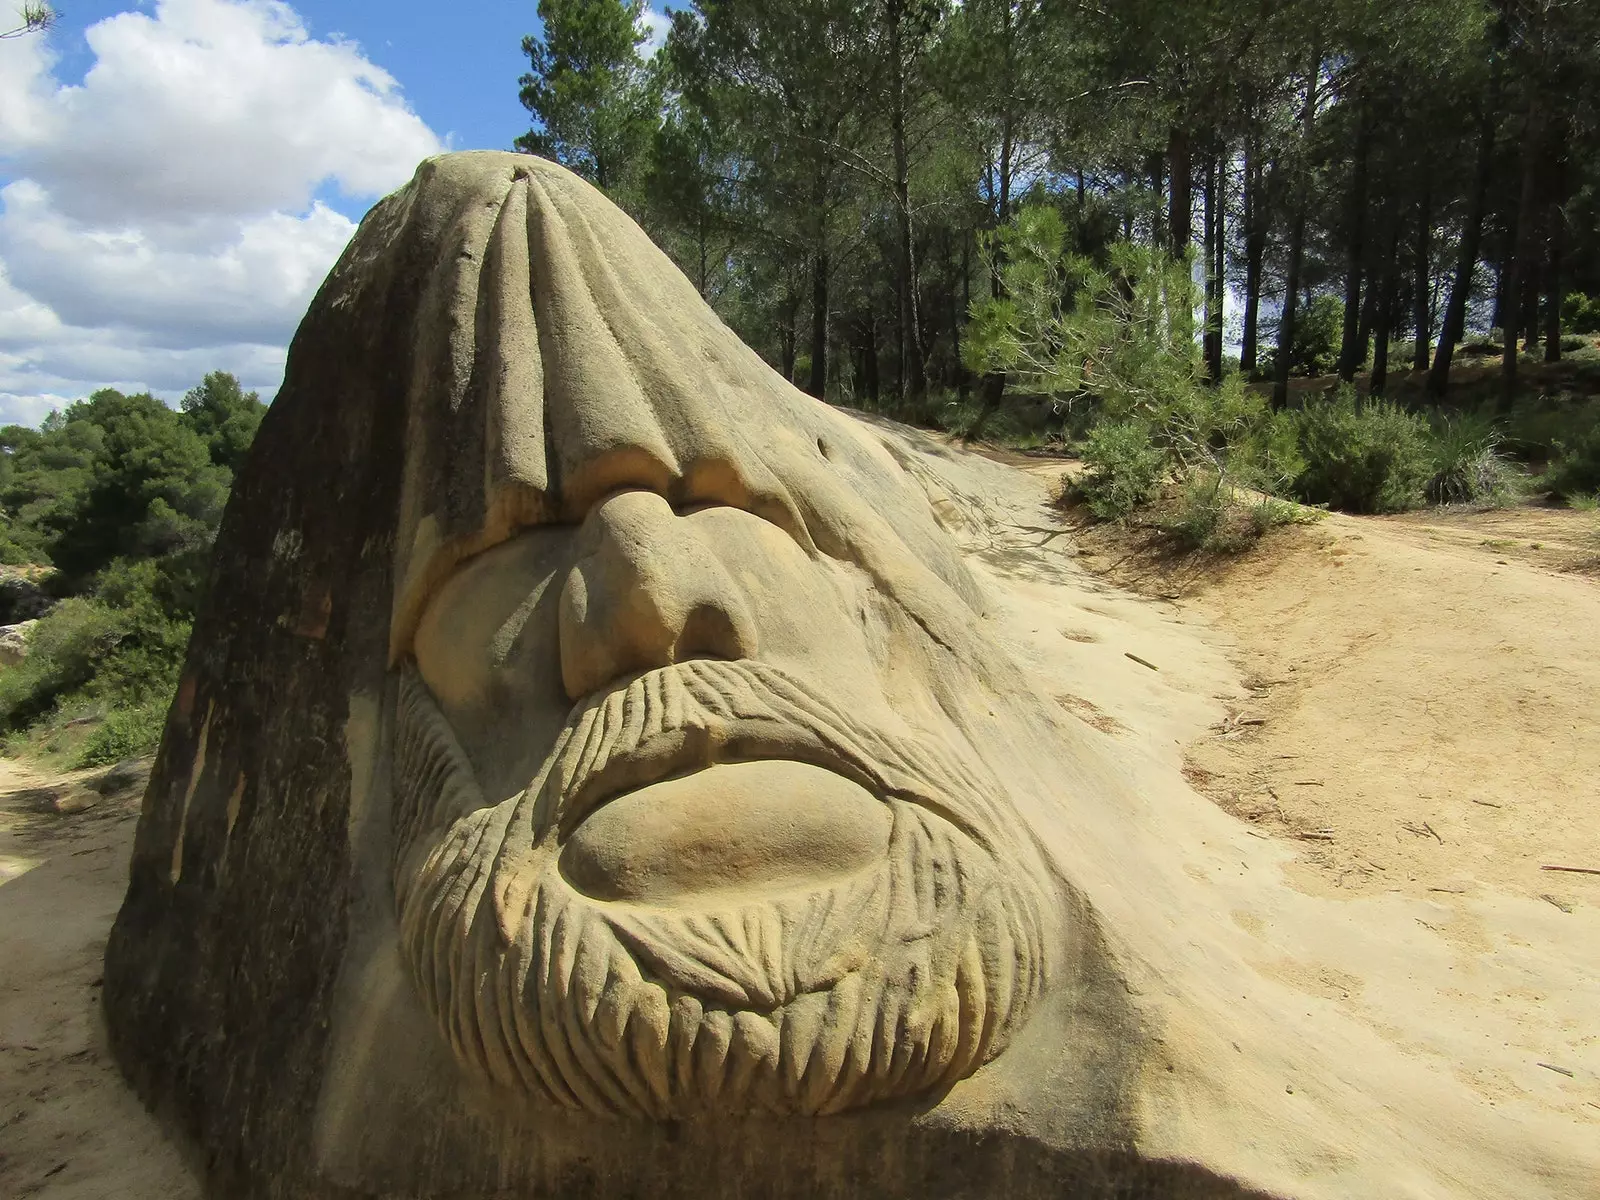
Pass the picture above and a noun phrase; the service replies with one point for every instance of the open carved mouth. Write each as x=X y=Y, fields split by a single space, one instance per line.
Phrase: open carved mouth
x=772 y=824
x=656 y=809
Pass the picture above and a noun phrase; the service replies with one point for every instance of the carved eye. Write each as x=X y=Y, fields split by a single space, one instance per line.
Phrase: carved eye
x=822 y=449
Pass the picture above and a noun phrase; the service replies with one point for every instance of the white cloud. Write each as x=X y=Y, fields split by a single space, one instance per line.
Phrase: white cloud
x=161 y=217
x=655 y=24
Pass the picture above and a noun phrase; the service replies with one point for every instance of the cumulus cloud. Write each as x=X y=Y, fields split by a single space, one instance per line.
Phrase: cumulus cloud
x=656 y=23
x=162 y=217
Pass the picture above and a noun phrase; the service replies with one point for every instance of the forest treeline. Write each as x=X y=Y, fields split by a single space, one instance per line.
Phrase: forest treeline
x=1357 y=182
x=108 y=513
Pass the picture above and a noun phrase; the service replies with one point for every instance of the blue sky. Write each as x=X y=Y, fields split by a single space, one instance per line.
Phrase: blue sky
x=177 y=176
x=457 y=64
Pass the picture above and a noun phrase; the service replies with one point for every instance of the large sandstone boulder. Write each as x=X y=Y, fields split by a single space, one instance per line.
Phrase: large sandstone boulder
x=599 y=772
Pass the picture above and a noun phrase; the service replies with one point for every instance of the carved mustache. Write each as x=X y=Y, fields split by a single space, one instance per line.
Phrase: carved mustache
x=681 y=718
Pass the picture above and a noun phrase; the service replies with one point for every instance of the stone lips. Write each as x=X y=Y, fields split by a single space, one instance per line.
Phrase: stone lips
x=891 y=982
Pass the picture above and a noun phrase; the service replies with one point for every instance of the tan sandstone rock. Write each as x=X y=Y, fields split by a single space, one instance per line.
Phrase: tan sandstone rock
x=602 y=770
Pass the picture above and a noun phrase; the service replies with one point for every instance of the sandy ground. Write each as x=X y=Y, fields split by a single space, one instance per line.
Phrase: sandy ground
x=1425 y=711
x=1407 y=708
x=69 y=1129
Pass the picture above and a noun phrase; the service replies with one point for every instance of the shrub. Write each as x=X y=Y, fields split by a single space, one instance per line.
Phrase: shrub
x=125 y=733
x=1373 y=459
x=1126 y=469
x=1577 y=470
x=1318 y=332
x=1580 y=314
x=117 y=649
x=1539 y=426
x=65 y=649
x=1468 y=466
x=1200 y=511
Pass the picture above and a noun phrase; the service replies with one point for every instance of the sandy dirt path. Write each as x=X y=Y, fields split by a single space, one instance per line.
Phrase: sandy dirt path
x=69 y=1128
x=1426 y=712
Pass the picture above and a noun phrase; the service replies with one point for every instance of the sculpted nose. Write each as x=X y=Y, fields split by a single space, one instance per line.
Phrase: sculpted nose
x=647 y=591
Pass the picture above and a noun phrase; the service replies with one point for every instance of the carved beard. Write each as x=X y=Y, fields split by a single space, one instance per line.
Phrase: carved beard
x=894 y=982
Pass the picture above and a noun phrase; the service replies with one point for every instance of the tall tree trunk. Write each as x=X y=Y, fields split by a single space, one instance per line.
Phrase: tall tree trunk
x=994 y=384
x=962 y=380
x=1532 y=278
x=869 y=357
x=1422 y=296
x=913 y=382
x=1077 y=197
x=700 y=233
x=1455 y=313
x=1297 y=246
x=1350 y=354
x=1383 y=315
x=1180 y=212
x=819 y=318
x=1521 y=245
x=1555 y=248
x=1215 y=207
x=786 y=334
x=1255 y=247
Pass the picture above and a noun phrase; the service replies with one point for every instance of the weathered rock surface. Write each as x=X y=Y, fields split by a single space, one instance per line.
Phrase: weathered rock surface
x=602 y=770
x=14 y=642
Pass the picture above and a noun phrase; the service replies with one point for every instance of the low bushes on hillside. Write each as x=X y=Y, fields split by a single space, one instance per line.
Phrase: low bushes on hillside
x=122 y=496
x=1372 y=459
x=1576 y=471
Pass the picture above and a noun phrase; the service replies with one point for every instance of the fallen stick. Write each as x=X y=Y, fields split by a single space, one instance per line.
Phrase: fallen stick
x=1574 y=870
x=1486 y=803
x=1557 y=1070
x=1142 y=662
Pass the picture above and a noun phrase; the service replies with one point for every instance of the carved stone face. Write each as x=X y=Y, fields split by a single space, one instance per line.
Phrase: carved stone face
x=686 y=818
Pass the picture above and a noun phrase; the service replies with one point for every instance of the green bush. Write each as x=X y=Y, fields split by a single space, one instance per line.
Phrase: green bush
x=1318 y=332
x=1126 y=469
x=1580 y=314
x=119 y=648
x=125 y=733
x=1373 y=459
x=1539 y=426
x=1468 y=466
x=1577 y=470
x=1200 y=514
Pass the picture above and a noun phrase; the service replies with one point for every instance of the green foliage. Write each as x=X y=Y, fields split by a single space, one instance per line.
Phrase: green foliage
x=1577 y=471
x=125 y=733
x=65 y=649
x=1126 y=469
x=152 y=489
x=117 y=648
x=591 y=94
x=1375 y=458
x=225 y=415
x=1468 y=465
x=1198 y=522
x=1318 y=329
x=1580 y=313
x=123 y=496
x=1065 y=326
